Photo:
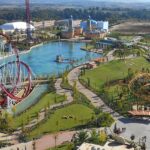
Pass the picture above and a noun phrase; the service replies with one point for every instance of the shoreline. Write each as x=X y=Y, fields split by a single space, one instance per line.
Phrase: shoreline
x=75 y=40
x=28 y=51
x=98 y=51
x=22 y=52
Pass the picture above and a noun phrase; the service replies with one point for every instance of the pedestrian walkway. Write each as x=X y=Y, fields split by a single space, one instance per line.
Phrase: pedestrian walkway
x=133 y=126
x=92 y=97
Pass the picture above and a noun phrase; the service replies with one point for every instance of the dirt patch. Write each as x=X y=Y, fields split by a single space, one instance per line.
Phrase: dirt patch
x=132 y=28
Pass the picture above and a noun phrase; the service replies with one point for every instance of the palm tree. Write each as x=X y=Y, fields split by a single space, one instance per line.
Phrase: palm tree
x=102 y=137
x=57 y=124
x=37 y=116
x=94 y=138
x=80 y=137
x=69 y=146
x=55 y=137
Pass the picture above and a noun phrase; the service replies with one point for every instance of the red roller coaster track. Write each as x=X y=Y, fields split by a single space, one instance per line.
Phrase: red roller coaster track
x=11 y=93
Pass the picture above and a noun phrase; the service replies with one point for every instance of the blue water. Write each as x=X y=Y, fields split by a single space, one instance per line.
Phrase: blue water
x=42 y=59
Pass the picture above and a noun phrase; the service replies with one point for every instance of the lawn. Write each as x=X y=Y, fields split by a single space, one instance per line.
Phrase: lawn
x=126 y=38
x=60 y=120
x=88 y=47
x=121 y=103
x=45 y=101
x=61 y=147
x=132 y=51
x=64 y=147
x=113 y=70
x=116 y=94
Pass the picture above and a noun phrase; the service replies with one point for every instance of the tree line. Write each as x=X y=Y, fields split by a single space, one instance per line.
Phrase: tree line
x=112 y=15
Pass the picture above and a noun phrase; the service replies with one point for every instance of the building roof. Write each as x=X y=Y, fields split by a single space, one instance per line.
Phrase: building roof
x=85 y=26
x=107 y=146
x=140 y=113
x=16 y=26
x=108 y=42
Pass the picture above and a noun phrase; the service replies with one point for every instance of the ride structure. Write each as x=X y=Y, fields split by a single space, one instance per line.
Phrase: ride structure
x=15 y=75
x=139 y=86
x=27 y=3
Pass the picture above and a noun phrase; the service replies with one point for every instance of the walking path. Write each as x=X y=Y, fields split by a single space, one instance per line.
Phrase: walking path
x=59 y=91
x=41 y=116
x=133 y=126
x=92 y=97
x=49 y=141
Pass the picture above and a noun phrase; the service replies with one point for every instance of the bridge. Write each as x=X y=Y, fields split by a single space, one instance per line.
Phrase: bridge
x=34 y=82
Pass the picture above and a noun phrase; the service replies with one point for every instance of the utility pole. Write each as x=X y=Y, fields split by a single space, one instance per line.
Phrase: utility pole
x=28 y=19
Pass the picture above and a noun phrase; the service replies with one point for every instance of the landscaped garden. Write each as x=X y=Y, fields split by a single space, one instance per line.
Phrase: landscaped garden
x=62 y=147
x=111 y=80
x=129 y=51
x=47 y=100
x=64 y=118
x=145 y=41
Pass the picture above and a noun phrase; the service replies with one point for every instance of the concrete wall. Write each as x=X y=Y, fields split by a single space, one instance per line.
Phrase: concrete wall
x=21 y=146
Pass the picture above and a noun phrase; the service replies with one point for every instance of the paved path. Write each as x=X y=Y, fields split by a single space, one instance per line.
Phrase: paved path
x=60 y=91
x=139 y=128
x=49 y=141
x=41 y=114
x=92 y=97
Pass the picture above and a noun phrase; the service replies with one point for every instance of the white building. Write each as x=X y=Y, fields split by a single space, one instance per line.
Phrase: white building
x=107 y=146
x=13 y=26
x=103 y=25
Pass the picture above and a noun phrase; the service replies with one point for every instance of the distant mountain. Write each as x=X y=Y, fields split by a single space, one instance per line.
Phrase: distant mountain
x=70 y=1
x=138 y=4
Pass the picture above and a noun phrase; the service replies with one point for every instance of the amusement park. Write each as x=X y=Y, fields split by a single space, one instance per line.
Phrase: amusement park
x=16 y=76
x=74 y=81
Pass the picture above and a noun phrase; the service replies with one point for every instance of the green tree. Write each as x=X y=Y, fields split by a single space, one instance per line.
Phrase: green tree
x=102 y=137
x=80 y=137
x=94 y=138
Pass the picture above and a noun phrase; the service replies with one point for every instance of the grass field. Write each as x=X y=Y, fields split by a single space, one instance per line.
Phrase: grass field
x=48 y=99
x=126 y=38
x=117 y=95
x=132 y=51
x=88 y=47
x=64 y=147
x=61 y=147
x=80 y=115
x=112 y=71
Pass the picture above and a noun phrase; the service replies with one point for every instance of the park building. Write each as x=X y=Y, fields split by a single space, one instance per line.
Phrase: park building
x=21 y=27
x=62 y=23
x=71 y=30
x=113 y=43
x=107 y=146
x=103 y=25
x=78 y=31
x=99 y=25
x=95 y=34
x=107 y=42
x=91 y=31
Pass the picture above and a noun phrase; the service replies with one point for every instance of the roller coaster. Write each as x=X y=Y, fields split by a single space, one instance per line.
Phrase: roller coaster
x=15 y=75
x=140 y=86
